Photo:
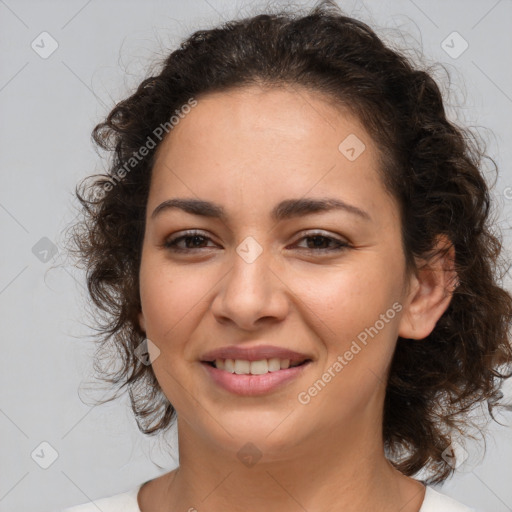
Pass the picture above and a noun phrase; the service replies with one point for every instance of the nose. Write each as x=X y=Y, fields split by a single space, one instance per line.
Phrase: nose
x=251 y=294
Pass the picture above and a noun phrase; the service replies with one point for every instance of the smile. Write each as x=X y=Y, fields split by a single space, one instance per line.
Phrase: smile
x=260 y=367
x=237 y=377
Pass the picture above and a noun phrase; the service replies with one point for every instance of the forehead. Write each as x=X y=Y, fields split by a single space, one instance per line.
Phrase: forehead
x=268 y=145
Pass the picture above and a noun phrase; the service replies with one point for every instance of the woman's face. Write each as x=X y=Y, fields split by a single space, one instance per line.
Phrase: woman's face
x=265 y=276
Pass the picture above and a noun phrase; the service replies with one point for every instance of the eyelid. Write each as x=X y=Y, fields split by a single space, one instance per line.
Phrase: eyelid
x=184 y=234
x=341 y=242
x=321 y=232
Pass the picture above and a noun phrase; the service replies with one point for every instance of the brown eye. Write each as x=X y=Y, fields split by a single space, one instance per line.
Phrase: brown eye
x=193 y=240
x=319 y=242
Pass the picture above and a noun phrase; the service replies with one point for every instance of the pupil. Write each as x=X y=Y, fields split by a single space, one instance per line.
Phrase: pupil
x=195 y=239
x=317 y=240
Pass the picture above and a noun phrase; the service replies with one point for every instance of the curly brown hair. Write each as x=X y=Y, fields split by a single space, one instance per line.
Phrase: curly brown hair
x=431 y=166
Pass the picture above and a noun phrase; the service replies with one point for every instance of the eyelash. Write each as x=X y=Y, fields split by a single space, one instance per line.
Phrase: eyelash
x=171 y=244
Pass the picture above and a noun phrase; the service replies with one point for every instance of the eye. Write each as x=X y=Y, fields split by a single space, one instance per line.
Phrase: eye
x=319 y=242
x=193 y=240
x=197 y=240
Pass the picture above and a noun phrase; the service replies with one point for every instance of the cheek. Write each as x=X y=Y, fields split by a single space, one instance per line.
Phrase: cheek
x=171 y=302
x=346 y=299
x=170 y=299
x=354 y=317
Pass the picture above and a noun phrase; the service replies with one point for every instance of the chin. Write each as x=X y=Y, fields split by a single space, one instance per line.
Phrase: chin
x=269 y=434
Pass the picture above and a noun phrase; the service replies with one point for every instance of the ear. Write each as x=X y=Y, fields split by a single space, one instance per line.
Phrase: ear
x=142 y=321
x=430 y=292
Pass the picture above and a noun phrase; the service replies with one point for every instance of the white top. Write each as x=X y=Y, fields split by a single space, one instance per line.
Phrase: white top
x=434 y=501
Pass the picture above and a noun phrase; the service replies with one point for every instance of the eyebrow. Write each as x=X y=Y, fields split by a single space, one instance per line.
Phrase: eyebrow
x=286 y=209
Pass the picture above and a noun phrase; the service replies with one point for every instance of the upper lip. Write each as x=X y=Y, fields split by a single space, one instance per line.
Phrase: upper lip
x=255 y=353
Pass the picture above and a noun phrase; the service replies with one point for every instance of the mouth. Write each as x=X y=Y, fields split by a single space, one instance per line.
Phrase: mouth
x=259 y=367
x=254 y=378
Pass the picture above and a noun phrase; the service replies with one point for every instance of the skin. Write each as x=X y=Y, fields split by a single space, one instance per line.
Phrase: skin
x=247 y=150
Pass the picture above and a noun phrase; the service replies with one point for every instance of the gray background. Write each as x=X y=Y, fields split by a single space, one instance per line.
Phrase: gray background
x=48 y=109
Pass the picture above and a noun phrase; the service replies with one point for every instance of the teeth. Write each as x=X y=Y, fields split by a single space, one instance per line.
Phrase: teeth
x=259 y=367
x=274 y=364
x=244 y=367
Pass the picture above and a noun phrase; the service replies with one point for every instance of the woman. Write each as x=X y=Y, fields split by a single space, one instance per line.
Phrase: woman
x=299 y=239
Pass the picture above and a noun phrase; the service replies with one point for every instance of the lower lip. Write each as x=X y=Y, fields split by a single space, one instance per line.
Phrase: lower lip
x=250 y=385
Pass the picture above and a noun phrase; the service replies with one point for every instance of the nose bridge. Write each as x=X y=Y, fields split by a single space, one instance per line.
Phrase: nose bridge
x=248 y=279
x=250 y=290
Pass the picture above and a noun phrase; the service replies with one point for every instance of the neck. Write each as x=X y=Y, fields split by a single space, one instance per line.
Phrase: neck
x=349 y=476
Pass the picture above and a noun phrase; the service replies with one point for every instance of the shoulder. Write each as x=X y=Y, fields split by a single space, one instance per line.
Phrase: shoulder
x=124 y=502
x=435 y=501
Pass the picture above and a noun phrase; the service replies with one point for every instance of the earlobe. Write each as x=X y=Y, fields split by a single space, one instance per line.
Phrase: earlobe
x=431 y=292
